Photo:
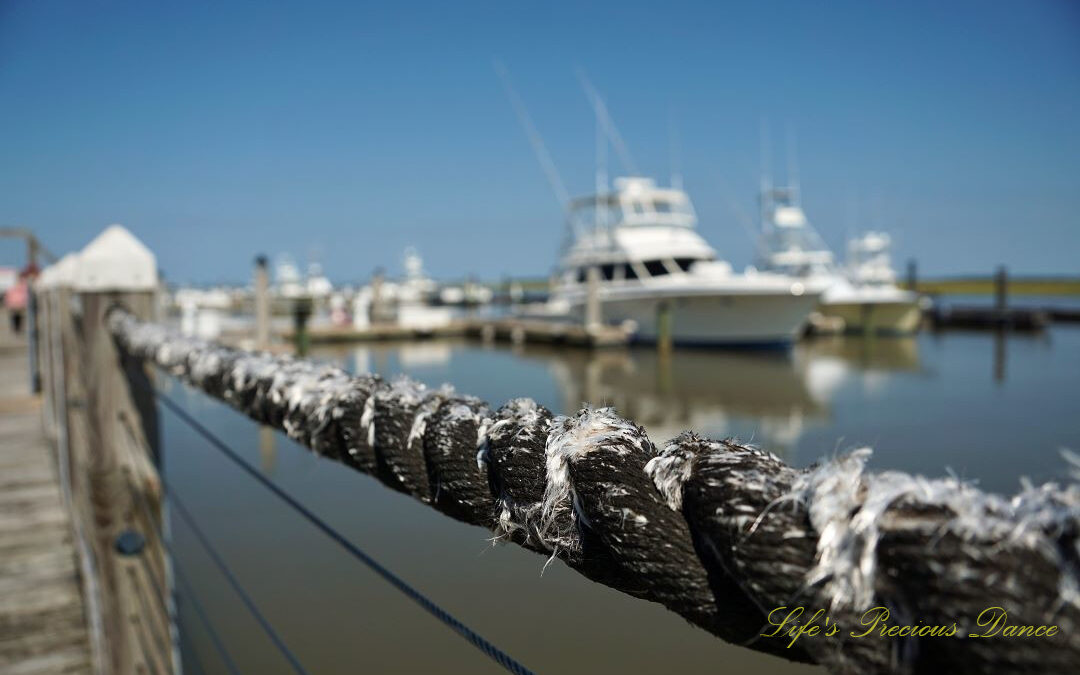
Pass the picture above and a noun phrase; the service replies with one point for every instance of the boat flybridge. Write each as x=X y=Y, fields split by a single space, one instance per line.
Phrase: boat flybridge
x=864 y=297
x=638 y=243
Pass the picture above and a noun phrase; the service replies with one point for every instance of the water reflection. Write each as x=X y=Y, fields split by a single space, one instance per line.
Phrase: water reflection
x=926 y=405
x=267 y=450
x=769 y=398
x=829 y=363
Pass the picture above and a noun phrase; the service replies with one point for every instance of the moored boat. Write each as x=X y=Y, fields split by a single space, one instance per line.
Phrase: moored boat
x=649 y=265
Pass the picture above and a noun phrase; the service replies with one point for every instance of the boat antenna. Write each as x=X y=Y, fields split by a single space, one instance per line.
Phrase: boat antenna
x=742 y=217
x=537 y=142
x=673 y=139
x=602 y=114
x=793 y=164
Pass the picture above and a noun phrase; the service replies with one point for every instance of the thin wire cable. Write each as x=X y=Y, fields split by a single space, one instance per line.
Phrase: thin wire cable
x=223 y=567
x=200 y=612
x=218 y=561
x=196 y=605
x=194 y=655
x=474 y=638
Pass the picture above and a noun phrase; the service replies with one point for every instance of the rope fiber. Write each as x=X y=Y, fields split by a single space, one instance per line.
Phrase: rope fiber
x=718 y=531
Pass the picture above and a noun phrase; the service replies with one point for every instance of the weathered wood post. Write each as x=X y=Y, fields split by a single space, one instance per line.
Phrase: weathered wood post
x=70 y=442
x=262 y=303
x=377 y=311
x=664 y=340
x=119 y=432
x=912 y=275
x=33 y=334
x=43 y=297
x=593 y=314
x=301 y=314
x=1001 y=289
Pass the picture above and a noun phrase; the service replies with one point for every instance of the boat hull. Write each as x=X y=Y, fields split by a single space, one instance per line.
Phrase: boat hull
x=882 y=318
x=765 y=320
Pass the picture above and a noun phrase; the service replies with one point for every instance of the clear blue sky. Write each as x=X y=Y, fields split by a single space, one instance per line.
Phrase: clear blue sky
x=352 y=130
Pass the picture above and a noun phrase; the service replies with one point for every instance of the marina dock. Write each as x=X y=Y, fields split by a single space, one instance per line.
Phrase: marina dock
x=618 y=508
x=514 y=330
x=42 y=616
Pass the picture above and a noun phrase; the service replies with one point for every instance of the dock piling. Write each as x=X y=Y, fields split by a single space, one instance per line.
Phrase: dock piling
x=1001 y=289
x=664 y=340
x=262 y=303
x=593 y=314
x=301 y=313
x=113 y=445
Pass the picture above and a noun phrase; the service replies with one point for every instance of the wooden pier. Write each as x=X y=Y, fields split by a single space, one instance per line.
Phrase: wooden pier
x=515 y=330
x=43 y=627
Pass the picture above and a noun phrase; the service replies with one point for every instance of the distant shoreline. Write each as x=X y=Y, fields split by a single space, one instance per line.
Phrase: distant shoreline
x=985 y=286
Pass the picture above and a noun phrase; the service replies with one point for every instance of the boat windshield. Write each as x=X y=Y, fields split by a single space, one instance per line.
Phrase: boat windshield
x=632 y=210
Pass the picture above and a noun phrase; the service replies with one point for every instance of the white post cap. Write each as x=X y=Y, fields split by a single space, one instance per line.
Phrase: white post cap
x=115 y=261
x=44 y=278
x=64 y=270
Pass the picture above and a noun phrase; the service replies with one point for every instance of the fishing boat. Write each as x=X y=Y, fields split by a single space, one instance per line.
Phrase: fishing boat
x=637 y=248
x=861 y=298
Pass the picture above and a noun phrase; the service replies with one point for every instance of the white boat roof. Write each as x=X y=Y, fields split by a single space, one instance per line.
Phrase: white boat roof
x=789 y=216
x=635 y=221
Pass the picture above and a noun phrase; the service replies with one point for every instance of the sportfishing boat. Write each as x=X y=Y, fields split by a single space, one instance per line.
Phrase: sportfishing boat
x=637 y=248
x=864 y=297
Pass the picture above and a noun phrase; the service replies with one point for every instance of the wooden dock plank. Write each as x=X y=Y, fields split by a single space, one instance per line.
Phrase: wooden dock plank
x=42 y=618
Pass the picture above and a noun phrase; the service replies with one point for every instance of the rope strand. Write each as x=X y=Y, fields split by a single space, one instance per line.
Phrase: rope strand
x=717 y=531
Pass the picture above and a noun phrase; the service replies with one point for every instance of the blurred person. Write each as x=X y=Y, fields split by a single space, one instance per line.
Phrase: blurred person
x=15 y=300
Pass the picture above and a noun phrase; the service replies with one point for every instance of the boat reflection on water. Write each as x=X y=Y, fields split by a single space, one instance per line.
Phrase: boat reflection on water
x=767 y=398
x=764 y=398
x=827 y=363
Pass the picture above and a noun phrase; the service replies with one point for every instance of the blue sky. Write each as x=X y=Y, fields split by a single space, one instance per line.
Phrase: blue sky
x=347 y=131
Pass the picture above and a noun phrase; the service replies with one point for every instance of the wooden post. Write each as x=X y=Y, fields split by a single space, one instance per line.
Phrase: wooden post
x=912 y=276
x=1001 y=289
x=117 y=435
x=33 y=333
x=301 y=314
x=72 y=453
x=262 y=303
x=593 y=314
x=42 y=293
x=377 y=311
x=664 y=340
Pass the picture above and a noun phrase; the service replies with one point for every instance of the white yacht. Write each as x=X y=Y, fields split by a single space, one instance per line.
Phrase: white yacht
x=650 y=265
x=864 y=298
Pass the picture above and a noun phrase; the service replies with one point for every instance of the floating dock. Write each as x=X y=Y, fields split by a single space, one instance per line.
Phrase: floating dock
x=988 y=318
x=515 y=330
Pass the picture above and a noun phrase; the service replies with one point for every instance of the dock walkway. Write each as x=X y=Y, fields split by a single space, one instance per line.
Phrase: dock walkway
x=42 y=618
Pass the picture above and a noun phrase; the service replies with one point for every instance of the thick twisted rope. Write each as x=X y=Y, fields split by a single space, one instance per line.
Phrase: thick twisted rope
x=720 y=532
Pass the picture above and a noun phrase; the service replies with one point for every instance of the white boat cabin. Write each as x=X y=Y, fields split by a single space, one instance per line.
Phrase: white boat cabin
x=789 y=244
x=637 y=232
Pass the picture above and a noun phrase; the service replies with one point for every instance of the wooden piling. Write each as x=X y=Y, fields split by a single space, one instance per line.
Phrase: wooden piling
x=301 y=314
x=1001 y=289
x=113 y=438
x=593 y=314
x=664 y=339
x=262 y=303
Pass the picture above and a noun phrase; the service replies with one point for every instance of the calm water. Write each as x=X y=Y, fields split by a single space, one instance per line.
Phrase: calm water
x=985 y=408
